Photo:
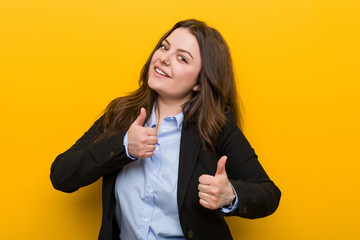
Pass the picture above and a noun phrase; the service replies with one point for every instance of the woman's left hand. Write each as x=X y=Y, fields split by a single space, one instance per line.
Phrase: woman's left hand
x=216 y=191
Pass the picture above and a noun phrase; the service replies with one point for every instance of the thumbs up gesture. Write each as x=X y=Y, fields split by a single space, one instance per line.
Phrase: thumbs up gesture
x=216 y=191
x=141 y=140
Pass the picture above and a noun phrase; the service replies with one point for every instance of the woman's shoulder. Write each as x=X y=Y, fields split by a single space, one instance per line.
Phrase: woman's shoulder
x=93 y=133
x=231 y=120
x=230 y=127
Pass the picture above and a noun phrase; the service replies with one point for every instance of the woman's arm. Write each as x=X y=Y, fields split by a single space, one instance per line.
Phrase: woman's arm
x=87 y=161
x=257 y=195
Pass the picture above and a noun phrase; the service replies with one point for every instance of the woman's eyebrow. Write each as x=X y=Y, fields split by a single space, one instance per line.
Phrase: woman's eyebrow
x=181 y=50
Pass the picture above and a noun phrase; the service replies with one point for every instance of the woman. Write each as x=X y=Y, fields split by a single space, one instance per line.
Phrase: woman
x=172 y=157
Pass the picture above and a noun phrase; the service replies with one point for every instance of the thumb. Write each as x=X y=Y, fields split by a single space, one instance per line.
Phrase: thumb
x=141 y=118
x=221 y=166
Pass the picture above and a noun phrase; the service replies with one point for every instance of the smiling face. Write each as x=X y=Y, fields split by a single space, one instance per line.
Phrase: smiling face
x=175 y=67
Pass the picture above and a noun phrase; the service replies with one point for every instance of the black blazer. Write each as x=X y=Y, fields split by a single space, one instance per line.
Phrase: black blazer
x=86 y=161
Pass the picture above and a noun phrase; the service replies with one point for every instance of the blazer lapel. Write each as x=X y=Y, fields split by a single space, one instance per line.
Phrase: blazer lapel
x=189 y=149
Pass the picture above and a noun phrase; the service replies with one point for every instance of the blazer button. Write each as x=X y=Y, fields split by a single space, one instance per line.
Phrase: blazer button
x=190 y=234
x=112 y=153
x=245 y=209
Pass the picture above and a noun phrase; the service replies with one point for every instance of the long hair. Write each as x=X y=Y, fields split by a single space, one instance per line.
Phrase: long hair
x=206 y=108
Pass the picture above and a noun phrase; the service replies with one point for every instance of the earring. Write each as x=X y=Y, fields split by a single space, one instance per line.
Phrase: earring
x=196 y=88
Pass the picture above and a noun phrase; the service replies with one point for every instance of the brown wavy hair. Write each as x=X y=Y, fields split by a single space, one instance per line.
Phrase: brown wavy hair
x=206 y=108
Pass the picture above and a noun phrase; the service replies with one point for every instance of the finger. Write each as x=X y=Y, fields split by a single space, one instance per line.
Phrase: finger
x=204 y=188
x=206 y=204
x=204 y=196
x=152 y=140
x=210 y=199
x=151 y=131
x=205 y=179
x=203 y=203
x=149 y=151
x=150 y=148
x=221 y=166
x=147 y=155
x=141 y=118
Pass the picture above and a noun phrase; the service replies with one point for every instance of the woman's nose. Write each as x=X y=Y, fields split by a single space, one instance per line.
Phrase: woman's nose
x=165 y=58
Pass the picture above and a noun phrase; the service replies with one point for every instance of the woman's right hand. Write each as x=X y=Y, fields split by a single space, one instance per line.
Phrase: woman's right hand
x=141 y=140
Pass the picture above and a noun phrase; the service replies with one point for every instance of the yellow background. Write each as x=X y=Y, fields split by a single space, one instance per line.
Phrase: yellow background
x=297 y=66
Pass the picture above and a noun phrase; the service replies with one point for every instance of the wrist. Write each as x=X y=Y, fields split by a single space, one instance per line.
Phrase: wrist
x=233 y=195
x=231 y=202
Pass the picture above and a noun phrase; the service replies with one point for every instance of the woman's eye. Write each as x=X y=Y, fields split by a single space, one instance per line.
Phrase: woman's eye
x=163 y=47
x=181 y=58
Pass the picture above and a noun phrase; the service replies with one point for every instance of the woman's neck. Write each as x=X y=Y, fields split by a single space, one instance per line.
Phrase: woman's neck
x=167 y=109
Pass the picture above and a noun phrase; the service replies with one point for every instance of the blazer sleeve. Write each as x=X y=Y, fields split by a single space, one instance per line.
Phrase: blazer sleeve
x=86 y=161
x=258 y=196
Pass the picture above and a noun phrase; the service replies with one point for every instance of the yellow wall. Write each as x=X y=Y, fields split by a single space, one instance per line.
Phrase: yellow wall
x=297 y=64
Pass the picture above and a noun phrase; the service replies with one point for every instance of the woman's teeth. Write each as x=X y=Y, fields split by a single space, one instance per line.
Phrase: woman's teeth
x=160 y=72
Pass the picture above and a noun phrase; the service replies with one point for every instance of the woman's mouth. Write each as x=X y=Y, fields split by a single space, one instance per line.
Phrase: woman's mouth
x=161 y=72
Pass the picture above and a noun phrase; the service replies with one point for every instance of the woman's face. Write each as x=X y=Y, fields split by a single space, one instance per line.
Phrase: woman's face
x=175 y=67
